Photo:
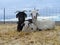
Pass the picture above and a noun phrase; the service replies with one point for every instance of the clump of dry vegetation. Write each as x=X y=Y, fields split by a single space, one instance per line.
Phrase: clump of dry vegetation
x=10 y=36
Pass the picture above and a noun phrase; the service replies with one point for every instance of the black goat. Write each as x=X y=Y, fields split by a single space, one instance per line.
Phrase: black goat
x=21 y=18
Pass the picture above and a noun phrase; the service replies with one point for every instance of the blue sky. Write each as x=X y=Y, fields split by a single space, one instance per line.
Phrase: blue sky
x=29 y=3
x=46 y=6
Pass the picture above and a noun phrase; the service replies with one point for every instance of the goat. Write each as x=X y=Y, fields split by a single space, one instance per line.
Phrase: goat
x=21 y=18
x=29 y=26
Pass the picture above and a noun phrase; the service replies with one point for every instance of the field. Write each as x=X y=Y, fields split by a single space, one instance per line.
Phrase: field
x=10 y=36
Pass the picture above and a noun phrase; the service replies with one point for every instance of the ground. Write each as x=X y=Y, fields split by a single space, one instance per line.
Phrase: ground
x=10 y=36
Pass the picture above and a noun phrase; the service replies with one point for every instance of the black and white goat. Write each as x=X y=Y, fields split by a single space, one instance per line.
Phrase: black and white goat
x=29 y=26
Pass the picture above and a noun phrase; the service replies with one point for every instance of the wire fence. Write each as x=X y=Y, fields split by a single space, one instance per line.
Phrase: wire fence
x=10 y=15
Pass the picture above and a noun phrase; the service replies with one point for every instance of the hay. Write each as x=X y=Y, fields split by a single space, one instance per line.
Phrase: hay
x=9 y=36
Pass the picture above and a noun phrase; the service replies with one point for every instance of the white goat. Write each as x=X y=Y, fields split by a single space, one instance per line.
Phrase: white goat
x=34 y=15
x=25 y=27
x=45 y=24
x=29 y=27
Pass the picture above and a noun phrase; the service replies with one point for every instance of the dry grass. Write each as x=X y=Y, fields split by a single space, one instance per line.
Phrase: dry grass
x=9 y=36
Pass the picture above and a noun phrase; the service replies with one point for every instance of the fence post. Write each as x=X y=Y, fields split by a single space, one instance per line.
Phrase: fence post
x=4 y=15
